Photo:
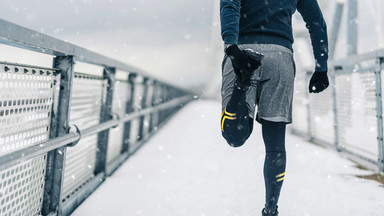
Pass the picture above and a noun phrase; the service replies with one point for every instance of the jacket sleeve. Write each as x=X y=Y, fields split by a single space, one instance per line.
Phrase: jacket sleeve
x=229 y=18
x=315 y=23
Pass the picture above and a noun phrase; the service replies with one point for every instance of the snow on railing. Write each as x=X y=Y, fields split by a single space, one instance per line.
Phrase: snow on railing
x=63 y=132
x=349 y=114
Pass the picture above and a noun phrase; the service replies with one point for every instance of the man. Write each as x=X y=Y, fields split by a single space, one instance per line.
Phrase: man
x=266 y=78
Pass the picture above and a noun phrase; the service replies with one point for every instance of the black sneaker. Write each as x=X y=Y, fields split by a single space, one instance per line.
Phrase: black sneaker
x=270 y=213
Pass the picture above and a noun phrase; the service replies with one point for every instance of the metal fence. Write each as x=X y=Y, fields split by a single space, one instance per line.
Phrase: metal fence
x=348 y=115
x=63 y=132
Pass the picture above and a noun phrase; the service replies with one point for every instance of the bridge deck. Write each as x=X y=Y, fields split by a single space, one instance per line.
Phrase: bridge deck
x=187 y=169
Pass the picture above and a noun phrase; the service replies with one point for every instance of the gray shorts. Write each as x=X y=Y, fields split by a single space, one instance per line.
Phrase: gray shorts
x=271 y=85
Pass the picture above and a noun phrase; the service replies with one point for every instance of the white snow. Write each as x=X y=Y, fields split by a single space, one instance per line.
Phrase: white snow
x=187 y=169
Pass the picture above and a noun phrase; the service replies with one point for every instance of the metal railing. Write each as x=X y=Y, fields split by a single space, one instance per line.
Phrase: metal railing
x=63 y=132
x=348 y=115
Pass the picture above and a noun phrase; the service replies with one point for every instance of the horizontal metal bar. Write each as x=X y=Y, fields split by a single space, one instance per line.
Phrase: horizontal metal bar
x=359 y=156
x=22 y=155
x=364 y=70
x=30 y=152
x=162 y=106
x=100 y=127
x=26 y=65
x=354 y=59
x=116 y=163
x=115 y=122
x=18 y=36
x=350 y=70
x=83 y=193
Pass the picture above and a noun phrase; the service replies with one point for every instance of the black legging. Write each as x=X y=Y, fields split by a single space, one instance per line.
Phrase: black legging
x=275 y=160
x=237 y=126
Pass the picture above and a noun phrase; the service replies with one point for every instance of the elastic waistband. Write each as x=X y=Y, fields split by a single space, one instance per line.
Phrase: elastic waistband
x=266 y=47
x=260 y=38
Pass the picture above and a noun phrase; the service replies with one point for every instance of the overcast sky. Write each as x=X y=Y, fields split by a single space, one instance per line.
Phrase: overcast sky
x=169 y=38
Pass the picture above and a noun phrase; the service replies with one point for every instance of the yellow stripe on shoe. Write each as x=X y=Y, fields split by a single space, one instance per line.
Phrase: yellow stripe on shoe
x=280 y=175
x=222 y=122
x=226 y=115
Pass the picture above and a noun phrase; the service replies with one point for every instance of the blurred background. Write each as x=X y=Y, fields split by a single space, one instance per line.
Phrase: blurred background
x=170 y=39
x=178 y=41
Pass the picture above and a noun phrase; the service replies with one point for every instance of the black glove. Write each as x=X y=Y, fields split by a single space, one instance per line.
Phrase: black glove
x=319 y=82
x=244 y=62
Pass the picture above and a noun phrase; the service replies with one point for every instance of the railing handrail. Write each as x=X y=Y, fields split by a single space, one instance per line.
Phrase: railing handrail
x=43 y=147
x=18 y=36
x=354 y=59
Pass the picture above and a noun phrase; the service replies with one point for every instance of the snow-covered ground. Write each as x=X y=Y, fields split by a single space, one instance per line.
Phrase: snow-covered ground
x=187 y=169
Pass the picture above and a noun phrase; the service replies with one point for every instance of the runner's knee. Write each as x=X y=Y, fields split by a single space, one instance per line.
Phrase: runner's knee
x=274 y=135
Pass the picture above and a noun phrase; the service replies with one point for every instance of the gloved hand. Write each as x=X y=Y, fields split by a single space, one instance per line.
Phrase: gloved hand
x=244 y=62
x=319 y=82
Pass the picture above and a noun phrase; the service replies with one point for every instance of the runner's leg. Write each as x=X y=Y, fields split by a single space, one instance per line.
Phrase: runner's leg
x=275 y=161
x=236 y=125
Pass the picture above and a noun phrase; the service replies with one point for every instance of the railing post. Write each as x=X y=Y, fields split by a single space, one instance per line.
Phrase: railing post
x=308 y=105
x=143 y=105
x=379 y=110
x=151 y=118
x=352 y=28
x=335 y=29
x=156 y=101
x=105 y=115
x=161 y=100
x=149 y=104
x=59 y=126
x=129 y=109
x=335 y=111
